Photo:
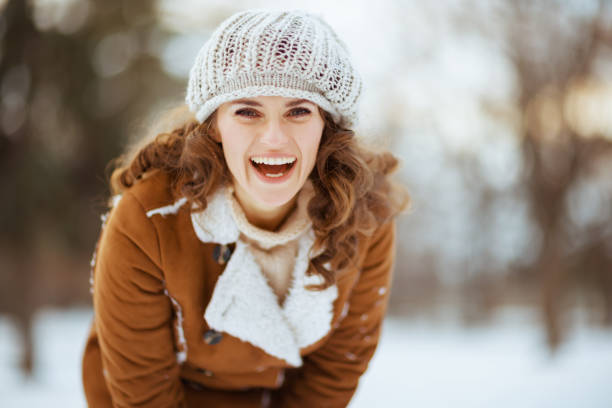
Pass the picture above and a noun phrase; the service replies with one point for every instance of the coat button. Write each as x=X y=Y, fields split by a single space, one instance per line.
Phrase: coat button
x=212 y=337
x=222 y=254
x=194 y=385
x=204 y=371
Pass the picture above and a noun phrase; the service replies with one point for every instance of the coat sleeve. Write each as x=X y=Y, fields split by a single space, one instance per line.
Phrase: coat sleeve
x=329 y=376
x=132 y=313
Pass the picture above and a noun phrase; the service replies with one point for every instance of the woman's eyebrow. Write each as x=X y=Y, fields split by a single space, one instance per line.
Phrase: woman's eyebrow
x=297 y=102
x=251 y=102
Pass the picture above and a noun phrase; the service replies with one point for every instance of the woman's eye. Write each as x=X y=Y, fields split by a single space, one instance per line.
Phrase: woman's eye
x=249 y=113
x=246 y=112
x=300 y=111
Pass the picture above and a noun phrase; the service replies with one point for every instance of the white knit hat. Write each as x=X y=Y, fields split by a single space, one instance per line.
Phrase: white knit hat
x=259 y=52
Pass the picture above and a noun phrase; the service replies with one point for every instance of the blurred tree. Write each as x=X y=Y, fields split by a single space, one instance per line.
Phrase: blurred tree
x=551 y=48
x=73 y=75
x=560 y=53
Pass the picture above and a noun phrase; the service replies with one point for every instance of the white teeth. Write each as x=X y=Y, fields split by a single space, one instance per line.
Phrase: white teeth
x=272 y=160
x=275 y=175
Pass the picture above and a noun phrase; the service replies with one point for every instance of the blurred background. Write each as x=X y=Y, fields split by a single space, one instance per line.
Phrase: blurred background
x=501 y=115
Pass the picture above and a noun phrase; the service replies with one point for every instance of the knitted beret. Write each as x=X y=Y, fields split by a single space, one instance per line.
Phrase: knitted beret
x=259 y=52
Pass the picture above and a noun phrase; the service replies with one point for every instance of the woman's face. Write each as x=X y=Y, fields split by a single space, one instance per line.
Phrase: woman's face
x=270 y=144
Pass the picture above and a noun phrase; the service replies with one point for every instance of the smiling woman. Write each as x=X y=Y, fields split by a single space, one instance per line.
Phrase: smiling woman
x=247 y=255
x=270 y=150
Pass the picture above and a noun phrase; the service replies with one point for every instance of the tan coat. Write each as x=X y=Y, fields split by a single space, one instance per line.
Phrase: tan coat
x=184 y=317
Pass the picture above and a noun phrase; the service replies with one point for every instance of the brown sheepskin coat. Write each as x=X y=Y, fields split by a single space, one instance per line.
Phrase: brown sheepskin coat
x=183 y=317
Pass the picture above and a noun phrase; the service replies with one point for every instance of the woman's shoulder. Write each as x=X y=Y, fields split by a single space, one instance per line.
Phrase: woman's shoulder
x=153 y=191
x=132 y=213
x=133 y=209
x=378 y=243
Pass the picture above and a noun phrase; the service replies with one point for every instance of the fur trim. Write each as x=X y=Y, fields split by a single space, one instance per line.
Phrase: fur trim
x=215 y=223
x=168 y=209
x=181 y=354
x=116 y=199
x=243 y=303
x=308 y=312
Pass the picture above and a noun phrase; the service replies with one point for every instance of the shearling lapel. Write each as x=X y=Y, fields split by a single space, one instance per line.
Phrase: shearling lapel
x=215 y=223
x=244 y=305
x=308 y=312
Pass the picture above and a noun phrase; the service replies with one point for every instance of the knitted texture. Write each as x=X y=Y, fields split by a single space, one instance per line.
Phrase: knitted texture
x=275 y=251
x=292 y=53
x=294 y=226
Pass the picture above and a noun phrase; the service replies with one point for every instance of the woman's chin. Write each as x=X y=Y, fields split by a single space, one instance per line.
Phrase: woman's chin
x=273 y=201
x=272 y=196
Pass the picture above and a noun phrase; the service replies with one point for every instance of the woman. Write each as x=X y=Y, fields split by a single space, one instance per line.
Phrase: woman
x=247 y=257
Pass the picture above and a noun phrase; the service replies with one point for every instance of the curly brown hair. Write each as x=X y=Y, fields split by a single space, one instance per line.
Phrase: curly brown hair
x=353 y=193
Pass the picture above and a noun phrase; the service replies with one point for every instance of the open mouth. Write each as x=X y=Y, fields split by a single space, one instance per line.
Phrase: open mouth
x=273 y=167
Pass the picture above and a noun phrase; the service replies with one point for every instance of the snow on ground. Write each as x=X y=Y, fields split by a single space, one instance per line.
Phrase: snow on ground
x=417 y=364
x=421 y=364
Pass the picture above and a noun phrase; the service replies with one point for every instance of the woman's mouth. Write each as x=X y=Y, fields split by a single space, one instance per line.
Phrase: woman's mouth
x=273 y=168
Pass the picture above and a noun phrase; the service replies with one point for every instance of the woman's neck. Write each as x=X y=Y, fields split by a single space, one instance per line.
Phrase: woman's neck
x=267 y=218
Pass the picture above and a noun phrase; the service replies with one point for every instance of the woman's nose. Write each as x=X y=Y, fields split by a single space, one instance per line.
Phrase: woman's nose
x=273 y=133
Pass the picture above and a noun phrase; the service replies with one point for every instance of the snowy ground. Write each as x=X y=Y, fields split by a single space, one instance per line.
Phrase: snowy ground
x=418 y=364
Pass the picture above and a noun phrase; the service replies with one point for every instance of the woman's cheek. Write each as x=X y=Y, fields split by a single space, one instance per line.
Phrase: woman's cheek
x=233 y=159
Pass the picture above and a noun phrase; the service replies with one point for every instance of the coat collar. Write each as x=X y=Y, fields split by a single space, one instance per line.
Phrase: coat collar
x=244 y=305
x=295 y=224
